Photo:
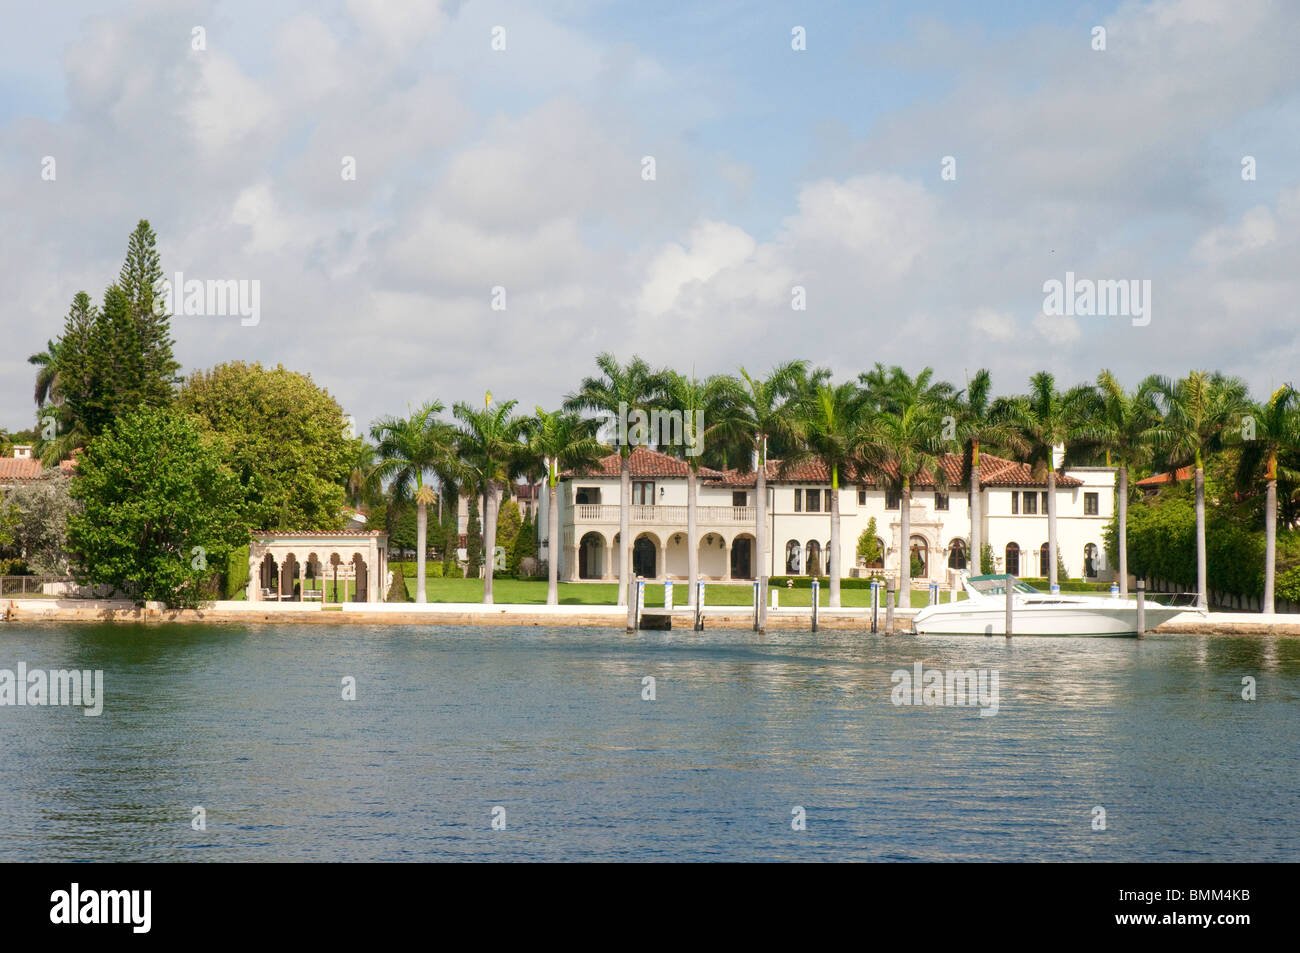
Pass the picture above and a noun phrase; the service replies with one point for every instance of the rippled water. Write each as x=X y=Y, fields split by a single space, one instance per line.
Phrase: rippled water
x=248 y=721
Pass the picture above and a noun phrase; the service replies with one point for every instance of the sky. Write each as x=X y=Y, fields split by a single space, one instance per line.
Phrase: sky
x=900 y=190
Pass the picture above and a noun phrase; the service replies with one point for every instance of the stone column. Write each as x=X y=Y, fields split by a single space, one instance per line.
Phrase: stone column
x=726 y=563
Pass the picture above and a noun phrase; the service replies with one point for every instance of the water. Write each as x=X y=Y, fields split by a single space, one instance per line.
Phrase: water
x=248 y=722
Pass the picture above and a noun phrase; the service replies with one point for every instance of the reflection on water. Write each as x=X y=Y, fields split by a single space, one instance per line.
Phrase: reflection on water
x=248 y=722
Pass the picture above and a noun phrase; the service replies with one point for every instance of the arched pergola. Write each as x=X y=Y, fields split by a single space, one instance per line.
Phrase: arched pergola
x=277 y=569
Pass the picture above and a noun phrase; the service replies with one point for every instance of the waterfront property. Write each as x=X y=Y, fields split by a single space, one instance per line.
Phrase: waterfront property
x=1013 y=506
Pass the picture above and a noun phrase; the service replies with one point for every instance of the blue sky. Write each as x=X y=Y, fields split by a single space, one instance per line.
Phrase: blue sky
x=775 y=168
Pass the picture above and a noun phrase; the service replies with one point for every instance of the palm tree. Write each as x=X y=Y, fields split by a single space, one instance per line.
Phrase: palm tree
x=978 y=426
x=1047 y=419
x=829 y=427
x=708 y=408
x=1117 y=422
x=47 y=377
x=560 y=441
x=903 y=439
x=490 y=447
x=617 y=392
x=361 y=472
x=764 y=409
x=407 y=449
x=1276 y=431
x=1199 y=410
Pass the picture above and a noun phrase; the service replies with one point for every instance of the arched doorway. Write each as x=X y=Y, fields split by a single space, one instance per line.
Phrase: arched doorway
x=957 y=554
x=793 y=558
x=920 y=551
x=1013 y=559
x=1090 y=562
x=362 y=578
x=742 y=557
x=268 y=577
x=813 y=561
x=644 y=557
x=591 y=556
x=289 y=579
x=1044 y=560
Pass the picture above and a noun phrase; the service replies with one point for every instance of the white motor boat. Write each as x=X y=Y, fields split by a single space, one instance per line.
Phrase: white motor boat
x=984 y=612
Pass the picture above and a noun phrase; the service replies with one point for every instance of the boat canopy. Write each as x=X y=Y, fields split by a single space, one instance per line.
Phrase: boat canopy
x=997 y=585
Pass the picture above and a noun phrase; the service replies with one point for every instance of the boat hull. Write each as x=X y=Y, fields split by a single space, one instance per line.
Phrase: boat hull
x=1115 y=620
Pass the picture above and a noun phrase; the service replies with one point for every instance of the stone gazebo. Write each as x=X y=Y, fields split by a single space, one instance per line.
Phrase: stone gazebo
x=280 y=565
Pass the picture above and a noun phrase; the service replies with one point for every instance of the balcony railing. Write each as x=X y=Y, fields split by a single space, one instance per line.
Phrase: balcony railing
x=672 y=515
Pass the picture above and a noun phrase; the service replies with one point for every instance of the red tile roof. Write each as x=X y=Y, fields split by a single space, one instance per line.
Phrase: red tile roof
x=1161 y=479
x=20 y=468
x=994 y=471
x=644 y=462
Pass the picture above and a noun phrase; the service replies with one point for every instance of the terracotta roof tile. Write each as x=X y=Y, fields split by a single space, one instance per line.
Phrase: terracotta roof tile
x=20 y=468
x=644 y=462
x=994 y=471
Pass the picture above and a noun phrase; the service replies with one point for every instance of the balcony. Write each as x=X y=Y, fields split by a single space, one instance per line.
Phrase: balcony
x=670 y=515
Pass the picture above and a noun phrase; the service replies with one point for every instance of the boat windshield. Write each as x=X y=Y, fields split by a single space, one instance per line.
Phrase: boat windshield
x=997 y=586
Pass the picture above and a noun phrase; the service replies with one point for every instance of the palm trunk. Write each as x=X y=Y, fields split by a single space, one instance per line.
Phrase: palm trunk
x=625 y=544
x=1270 y=542
x=421 y=538
x=1202 y=600
x=553 y=535
x=833 y=557
x=490 y=505
x=692 y=547
x=976 y=538
x=905 y=552
x=1123 y=532
x=1051 y=529
x=760 y=533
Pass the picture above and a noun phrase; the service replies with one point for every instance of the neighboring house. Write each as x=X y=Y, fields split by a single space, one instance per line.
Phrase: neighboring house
x=1014 y=514
x=1152 y=484
x=23 y=468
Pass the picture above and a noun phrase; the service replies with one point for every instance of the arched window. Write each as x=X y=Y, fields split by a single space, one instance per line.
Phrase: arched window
x=1013 y=559
x=957 y=554
x=793 y=551
x=813 y=564
x=1044 y=560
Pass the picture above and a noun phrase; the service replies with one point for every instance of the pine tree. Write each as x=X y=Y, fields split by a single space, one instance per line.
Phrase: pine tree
x=140 y=280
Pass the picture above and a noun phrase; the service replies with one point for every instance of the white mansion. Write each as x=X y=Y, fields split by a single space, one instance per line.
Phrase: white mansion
x=1013 y=512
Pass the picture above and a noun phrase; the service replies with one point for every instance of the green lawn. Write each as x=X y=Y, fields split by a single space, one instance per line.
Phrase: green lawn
x=533 y=592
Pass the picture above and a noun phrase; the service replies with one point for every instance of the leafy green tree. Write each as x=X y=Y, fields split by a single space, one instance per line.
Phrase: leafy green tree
x=509 y=523
x=524 y=546
x=869 y=545
x=284 y=437
x=559 y=441
x=161 y=510
x=41 y=531
x=409 y=448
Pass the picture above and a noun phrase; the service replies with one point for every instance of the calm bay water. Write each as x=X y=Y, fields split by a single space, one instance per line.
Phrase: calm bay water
x=248 y=721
